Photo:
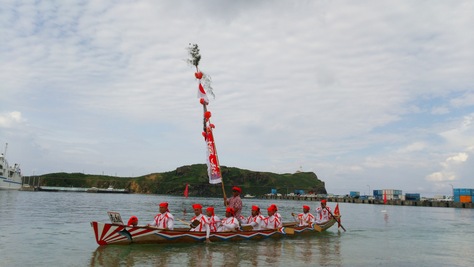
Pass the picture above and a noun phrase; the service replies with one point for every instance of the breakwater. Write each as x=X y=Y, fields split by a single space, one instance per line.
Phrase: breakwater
x=397 y=202
x=73 y=189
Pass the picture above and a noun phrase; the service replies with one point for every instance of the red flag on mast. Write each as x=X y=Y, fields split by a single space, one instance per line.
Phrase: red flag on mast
x=204 y=87
x=337 y=213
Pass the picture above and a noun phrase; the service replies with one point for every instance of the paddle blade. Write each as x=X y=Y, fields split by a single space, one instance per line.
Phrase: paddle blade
x=289 y=231
x=195 y=223
x=317 y=227
x=126 y=233
x=247 y=227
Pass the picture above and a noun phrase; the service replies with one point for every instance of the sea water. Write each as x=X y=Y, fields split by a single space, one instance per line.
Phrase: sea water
x=53 y=229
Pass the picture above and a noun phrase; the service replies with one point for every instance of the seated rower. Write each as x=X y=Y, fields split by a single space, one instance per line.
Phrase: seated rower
x=305 y=218
x=322 y=213
x=272 y=221
x=214 y=221
x=133 y=221
x=256 y=220
x=203 y=225
x=230 y=223
x=276 y=211
x=164 y=219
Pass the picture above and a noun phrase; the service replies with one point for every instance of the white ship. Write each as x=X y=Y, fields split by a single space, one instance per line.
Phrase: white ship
x=10 y=176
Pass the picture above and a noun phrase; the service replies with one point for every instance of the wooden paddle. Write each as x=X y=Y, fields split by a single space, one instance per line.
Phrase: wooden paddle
x=247 y=227
x=337 y=219
x=288 y=230
x=194 y=224
x=316 y=227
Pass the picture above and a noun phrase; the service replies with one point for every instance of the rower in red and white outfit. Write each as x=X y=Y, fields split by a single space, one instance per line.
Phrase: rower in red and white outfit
x=214 y=221
x=322 y=213
x=272 y=221
x=276 y=211
x=235 y=202
x=202 y=219
x=230 y=223
x=305 y=218
x=164 y=219
x=256 y=220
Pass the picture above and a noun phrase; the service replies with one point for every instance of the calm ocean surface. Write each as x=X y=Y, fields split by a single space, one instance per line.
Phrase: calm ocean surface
x=53 y=229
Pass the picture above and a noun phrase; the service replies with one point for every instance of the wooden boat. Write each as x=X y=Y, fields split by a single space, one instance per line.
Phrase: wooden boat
x=118 y=234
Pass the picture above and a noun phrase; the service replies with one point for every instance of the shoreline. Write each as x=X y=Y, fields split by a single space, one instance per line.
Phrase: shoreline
x=396 y=202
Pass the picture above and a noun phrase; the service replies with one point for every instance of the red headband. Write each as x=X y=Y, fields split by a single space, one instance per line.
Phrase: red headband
x=235 y=188
x=272 y=208
x=231 y=210
x=132 y=220
x=210 y=209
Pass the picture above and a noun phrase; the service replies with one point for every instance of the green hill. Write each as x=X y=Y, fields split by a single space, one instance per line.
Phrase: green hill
x=174 y=182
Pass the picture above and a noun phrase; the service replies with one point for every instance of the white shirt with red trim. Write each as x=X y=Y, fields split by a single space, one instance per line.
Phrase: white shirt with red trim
x=214 y=223
x=203 y=223
x=277 y=215
x=305 y=219
x=163 y=220
x=229 y=224
x=257 y=222
x=322 y=214
x=273 y=222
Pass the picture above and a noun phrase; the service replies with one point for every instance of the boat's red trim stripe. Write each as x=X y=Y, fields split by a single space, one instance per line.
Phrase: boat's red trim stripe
x=106 y=233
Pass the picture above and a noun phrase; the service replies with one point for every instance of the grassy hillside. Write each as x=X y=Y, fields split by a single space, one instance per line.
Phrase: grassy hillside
x=174 y=182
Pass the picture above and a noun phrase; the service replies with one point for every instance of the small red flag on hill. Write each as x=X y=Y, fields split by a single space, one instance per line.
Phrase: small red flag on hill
x=186 y=191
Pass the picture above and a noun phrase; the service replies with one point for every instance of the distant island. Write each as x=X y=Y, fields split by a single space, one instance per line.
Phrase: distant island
x=174 y=182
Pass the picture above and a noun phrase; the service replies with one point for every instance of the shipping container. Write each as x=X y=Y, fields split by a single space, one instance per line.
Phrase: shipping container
x=456 y=199
x=465 y=199
x=299 y=192
x=463 y=192
x=354 y=194
x=412 y=196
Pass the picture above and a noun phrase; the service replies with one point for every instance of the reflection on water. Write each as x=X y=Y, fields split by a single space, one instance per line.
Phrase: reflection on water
x=321 y=250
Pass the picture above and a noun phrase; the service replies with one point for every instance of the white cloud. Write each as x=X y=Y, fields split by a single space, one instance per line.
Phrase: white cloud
x=441 y=177
x=459 y=158
x=350 y=91
x=466 y=100
x=414 y=147
x=449 y=168
x=10 y=119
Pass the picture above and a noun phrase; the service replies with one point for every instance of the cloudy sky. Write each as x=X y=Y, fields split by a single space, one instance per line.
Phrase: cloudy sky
x=366 y=94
